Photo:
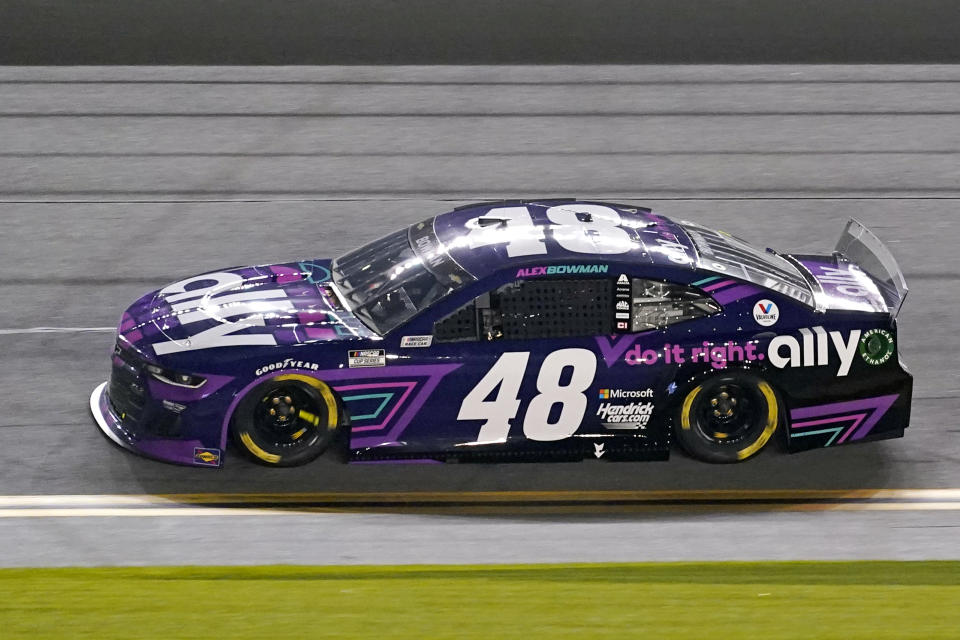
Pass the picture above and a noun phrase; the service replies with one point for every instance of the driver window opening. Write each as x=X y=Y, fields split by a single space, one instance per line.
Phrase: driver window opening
x=527 y=309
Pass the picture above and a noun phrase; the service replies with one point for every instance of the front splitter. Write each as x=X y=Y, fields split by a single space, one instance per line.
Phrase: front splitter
x=186 y=452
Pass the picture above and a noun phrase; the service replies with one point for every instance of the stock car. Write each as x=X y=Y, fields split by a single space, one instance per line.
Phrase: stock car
x=517 y=330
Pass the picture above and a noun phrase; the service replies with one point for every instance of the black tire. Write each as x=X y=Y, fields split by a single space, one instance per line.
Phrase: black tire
x=287 y=421
x=728 y=417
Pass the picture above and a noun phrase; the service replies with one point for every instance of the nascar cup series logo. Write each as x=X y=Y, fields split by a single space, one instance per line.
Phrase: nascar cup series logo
x=766 y=313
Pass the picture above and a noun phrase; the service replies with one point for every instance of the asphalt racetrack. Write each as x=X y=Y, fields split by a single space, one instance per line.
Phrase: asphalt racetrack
x=117 y=181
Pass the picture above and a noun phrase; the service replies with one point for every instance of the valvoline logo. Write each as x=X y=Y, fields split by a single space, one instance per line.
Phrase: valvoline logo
x=766 y=313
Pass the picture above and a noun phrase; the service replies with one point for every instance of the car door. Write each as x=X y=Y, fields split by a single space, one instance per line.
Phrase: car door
x=550 y=365
x=530 y=365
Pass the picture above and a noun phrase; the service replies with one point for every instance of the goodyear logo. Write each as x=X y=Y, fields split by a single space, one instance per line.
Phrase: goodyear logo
x=207 y=457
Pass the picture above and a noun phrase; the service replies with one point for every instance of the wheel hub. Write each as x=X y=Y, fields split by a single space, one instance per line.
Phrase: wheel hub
x=283 y=409
x=726 y=414
x=724 y=405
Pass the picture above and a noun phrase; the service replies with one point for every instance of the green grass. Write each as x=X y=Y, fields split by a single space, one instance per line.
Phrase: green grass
x=760 y=601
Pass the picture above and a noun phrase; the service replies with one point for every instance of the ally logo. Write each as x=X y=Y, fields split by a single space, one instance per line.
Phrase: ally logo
x=212 y=296
x=813 y=349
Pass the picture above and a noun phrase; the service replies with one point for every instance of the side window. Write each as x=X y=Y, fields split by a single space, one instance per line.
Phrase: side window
x=556 y=308
x=533 y=309
x=459 y=326
x=659 y=304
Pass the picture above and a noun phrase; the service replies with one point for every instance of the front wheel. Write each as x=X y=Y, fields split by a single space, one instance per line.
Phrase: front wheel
x=727 y=418
x=286 y=421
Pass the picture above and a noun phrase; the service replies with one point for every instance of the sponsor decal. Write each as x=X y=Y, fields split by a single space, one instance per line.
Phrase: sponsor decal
x=206 y=457
x=632 y=415
x=717 y=355
x=288 y=363
x=766 y=313
x=621 y=305
x=561 y=269
x=366 y=358
x=175 y=407
x=598 y=449
x=606 y=394
x=185 y=298
x=416 y=341
x=850 y=281
x=876 y=346
x=813 y=349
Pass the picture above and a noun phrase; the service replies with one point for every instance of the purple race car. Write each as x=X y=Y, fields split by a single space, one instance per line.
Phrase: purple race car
x=519 y=330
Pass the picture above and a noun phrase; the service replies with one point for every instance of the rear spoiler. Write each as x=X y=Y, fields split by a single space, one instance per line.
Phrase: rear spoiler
x=860 y=246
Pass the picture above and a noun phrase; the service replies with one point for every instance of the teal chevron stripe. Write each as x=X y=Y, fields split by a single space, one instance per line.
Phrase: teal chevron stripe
x=835 y=433
x=386 y=399
x=705 y=281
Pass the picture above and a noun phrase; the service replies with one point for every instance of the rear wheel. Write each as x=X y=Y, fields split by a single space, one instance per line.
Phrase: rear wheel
x=727 y=418
x=286 y=421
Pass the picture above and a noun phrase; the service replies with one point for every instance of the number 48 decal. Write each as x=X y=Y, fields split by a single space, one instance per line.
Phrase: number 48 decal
x=581 y=228
x=507 y=374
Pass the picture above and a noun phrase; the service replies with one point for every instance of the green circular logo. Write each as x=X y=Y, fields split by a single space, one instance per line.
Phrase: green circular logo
x=876 y=346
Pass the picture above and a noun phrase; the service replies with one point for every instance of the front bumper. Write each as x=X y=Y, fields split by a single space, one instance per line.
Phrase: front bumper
x=186 y=452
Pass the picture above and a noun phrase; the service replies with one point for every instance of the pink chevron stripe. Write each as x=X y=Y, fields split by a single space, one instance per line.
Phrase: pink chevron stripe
x=718 y=285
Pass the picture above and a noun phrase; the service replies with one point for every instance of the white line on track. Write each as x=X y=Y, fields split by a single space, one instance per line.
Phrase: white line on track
x=8 y=332
x=193 y=505
x=141 y=513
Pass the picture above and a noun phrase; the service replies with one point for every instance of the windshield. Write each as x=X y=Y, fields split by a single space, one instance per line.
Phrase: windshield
x=388 y=281
x=723 y=253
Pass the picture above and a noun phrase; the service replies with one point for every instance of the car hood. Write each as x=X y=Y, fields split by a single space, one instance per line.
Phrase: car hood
x=280 y=304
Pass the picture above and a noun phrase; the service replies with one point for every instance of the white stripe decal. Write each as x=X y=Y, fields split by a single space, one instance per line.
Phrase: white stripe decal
x=8 y=332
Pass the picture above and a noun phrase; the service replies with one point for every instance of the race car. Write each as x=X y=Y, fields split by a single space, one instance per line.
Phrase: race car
x=518 y=330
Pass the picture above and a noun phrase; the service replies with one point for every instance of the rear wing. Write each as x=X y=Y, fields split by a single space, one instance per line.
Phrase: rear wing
x=860 y=246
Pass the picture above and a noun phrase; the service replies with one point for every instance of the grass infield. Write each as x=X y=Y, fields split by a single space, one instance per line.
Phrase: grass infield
x=844 y=600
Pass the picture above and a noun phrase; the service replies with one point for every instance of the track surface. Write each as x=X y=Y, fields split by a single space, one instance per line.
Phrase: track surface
x=117 y=181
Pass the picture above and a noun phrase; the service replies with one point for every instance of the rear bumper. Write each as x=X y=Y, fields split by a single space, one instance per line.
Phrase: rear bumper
x=866 y=417
x=185 y=452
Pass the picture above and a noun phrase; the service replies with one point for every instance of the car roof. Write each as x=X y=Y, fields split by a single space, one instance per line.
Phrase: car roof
x=478 y=236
